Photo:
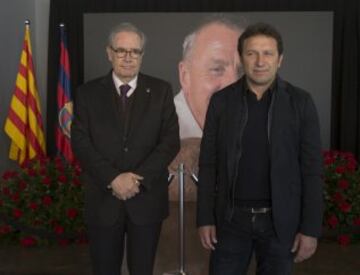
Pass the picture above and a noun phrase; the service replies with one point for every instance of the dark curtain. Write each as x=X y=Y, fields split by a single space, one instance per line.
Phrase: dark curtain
x=345 y=113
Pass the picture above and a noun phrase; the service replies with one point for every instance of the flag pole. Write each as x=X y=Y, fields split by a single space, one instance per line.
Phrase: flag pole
x=64 y=101
x=23 y=124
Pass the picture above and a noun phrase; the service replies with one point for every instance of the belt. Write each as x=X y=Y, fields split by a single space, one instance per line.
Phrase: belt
x=255 y=210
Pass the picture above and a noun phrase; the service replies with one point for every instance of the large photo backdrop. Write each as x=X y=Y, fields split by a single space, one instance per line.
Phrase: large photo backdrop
x=307 y=41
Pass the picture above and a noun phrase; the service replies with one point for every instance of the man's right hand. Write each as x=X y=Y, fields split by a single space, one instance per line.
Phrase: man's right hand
x=126 y=185
x=207 y=235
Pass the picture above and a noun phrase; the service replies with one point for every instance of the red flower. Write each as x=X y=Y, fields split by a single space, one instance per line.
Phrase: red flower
x=63 y=242
x=343 y=184
x=328 y=160
x=344 y=240
x=59 y=164
x=333 y=221
x=43 y=171
x=28 y=241
x=58 y=160
x=77 y=169
x=72 y=213
x=345 y=207
x=15 y=197
x=31 y=172
x=62 y=178
x=33 y=205
x=357 y=221
x=340 y=169
x=338 y=197
x=59 y=229
x=17 y=213
x=1 y=203
x=351 y=165
x=22 y=185
x=25 y=164
x=9 y=175
x=6 y=191
x=44 y=161
x=47 y=200
x=76 y=182
x=5 y=229
x=46 y=180
x=60 y=168
x=349 y=156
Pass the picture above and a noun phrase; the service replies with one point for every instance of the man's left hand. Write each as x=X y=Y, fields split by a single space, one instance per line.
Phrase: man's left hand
x=304 y=246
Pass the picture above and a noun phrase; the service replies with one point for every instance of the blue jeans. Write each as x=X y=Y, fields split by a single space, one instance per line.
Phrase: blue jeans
x=245 y=234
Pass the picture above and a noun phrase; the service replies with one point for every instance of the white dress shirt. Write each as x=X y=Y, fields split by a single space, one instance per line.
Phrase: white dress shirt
x=187 y=123
x=132 y=83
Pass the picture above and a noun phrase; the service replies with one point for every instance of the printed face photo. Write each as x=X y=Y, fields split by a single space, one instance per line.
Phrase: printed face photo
x=212 y=62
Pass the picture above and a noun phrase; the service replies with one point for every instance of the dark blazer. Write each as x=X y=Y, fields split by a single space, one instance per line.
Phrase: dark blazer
x=98 y=142
x=295 y=159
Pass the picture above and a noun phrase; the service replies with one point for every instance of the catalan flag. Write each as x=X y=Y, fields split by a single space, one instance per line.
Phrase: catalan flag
x=64 y=101
x=24 y=124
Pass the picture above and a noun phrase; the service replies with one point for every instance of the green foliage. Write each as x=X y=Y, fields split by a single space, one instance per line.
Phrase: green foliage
x=42 y=204
x=342 y=195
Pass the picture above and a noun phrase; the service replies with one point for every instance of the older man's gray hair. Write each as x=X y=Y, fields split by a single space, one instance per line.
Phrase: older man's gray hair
x=126 y=27
x=215 y=19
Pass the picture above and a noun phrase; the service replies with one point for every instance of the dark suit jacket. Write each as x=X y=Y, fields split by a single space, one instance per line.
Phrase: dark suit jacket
x=97 y=140
x=295 y=159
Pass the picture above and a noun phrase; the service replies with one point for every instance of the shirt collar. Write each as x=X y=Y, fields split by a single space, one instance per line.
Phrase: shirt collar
x=271 y=89
x=132 y=83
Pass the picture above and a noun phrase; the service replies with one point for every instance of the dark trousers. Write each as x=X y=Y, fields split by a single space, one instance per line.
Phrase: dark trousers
x=246 y=234
x=107 y=247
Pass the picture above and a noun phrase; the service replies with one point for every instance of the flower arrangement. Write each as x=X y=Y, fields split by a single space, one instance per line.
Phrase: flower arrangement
x=41 y=204
x=342 y=196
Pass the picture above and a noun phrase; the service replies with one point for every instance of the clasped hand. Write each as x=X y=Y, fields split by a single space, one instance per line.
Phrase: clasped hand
x=126 y=185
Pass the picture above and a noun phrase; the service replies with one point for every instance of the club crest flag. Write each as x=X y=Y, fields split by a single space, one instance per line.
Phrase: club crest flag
x=64 y=101
x=24 y=124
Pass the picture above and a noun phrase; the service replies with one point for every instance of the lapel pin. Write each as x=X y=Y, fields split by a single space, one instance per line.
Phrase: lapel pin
x=148 y=90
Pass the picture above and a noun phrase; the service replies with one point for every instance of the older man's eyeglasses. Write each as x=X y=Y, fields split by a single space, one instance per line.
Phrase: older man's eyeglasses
x=121 y=52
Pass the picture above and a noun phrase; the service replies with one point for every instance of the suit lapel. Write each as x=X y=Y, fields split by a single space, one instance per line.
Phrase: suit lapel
x=110 y=98
x=140 y=104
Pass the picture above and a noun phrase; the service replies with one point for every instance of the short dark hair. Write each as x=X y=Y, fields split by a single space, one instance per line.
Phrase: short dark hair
x=260 y=29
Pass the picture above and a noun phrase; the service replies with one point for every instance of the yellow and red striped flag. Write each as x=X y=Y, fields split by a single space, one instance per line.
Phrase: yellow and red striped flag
x=24 y=122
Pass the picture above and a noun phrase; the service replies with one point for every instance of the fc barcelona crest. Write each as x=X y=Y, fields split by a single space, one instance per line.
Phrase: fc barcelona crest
x=65 y=118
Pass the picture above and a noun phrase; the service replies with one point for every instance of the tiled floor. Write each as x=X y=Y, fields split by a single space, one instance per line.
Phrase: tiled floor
x=330 y=259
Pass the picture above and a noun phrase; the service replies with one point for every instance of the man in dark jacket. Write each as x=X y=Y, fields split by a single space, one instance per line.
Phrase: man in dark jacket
x=260 y=187
x=125 y=133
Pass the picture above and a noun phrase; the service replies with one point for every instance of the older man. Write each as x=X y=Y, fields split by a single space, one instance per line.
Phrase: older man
x=210 y=62
x=125 y=134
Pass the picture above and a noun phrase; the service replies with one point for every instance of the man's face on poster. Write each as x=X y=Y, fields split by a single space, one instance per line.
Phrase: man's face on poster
x=212 y=64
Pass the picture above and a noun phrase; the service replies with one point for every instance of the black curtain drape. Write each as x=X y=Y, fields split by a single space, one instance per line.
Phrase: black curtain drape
x=345 y=113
